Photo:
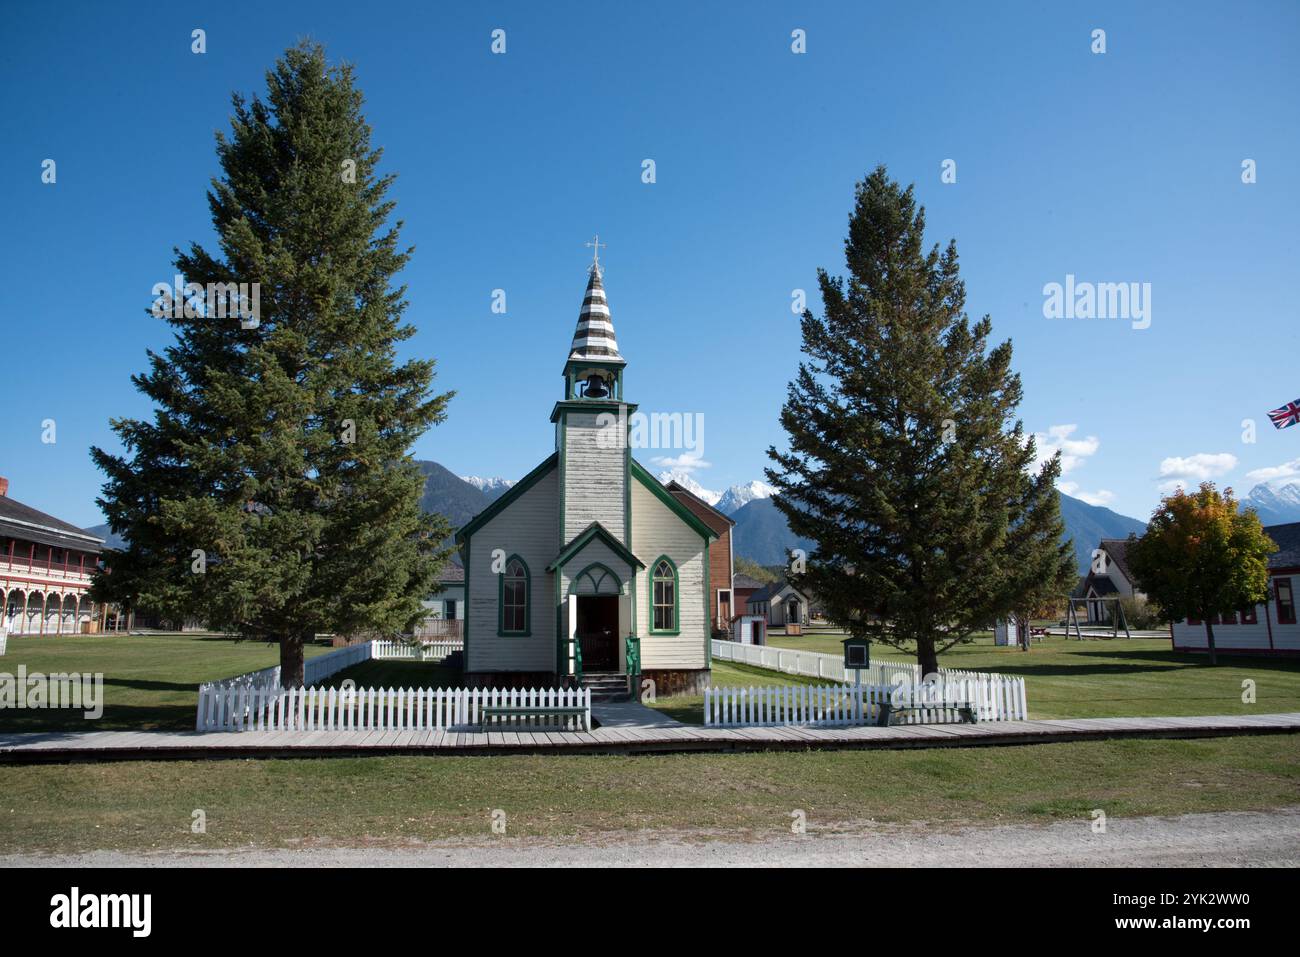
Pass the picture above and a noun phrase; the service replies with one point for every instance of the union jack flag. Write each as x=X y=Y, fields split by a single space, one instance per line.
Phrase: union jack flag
x=1289 y=414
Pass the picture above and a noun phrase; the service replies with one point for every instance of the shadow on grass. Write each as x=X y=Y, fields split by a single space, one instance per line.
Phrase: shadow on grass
x=115 y=718
x=686 y=709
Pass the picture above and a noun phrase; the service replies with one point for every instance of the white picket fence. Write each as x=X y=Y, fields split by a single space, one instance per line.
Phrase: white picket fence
x=994 y=698
x=811 y=664
x=432 y=650
x=271 y=708
x=314 y=670
x=816 y=664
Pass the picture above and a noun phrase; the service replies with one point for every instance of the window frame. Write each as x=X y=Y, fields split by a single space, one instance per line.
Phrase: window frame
x=653 y=578
x=502 y=630
x=1277 y=600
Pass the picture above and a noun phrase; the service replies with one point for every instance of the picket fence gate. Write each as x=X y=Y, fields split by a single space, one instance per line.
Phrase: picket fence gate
x=994 y=697
x=383 y=709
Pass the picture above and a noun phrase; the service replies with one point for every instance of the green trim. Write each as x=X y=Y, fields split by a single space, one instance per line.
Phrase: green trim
x=677 y=598
x=603 y=567
x=560 y=639
x=708 y=608
x=669 y=499
x=563 y=493
x=571 y=379
x=516 y=490
x=594 y=530
x=590 y=405
x=464 y=634
x=528 y=601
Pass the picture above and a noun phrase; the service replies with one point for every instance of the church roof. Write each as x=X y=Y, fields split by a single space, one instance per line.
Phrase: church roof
x=595 y=530
x=594 y=338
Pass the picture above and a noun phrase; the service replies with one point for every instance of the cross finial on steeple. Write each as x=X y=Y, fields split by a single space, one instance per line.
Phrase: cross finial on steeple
x=595 y=257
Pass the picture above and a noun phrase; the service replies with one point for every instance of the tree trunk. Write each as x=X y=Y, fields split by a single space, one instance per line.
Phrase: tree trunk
x=926 y=657
x=291 y=675
x=1209 y=639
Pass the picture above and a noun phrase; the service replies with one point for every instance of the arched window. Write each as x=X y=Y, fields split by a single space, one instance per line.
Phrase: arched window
x=514 y=598
x=663 y=597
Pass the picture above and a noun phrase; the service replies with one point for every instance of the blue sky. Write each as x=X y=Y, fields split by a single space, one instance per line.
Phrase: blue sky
x=1115 y=167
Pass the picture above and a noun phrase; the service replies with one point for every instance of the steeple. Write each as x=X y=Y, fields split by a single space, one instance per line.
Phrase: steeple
x=594 y=337
x=594 y=369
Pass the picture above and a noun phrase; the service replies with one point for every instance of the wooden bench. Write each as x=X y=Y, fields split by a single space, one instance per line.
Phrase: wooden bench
x=965 y=711
x=488 y=712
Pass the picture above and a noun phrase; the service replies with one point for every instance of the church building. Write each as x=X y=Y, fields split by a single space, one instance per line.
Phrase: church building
x=588 y=570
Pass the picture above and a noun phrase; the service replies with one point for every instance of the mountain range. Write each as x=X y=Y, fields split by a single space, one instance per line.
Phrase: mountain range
x=1276 y=502
x=761 y=533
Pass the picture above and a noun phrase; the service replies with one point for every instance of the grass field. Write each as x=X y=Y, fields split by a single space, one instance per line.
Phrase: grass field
x=151 y=682
x=395 y=800
x=689 y=709
x=396 y=675
x=1112 y=678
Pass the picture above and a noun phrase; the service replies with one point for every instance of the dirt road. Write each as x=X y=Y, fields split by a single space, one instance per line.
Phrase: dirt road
x=1246 y=839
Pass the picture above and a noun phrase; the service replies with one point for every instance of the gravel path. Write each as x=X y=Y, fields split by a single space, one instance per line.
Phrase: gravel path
x=1238 y=839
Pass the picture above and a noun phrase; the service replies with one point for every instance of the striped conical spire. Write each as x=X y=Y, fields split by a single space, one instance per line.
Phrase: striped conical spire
x=594 y=337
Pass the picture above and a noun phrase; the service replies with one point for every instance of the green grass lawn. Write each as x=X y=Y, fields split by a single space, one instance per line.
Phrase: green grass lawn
x=151 y=682
x=1111 y=678
x=394 y=800
x=727 y=674
x=396 y=675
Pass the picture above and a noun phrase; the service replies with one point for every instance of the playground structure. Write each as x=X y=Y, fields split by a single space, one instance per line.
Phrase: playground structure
x=1092 y=629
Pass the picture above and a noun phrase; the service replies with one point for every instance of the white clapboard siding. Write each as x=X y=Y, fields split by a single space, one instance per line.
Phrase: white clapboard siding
x=384 y=709
x=994 y=697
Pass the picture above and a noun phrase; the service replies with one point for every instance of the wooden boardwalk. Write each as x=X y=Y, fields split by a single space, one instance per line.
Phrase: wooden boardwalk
x=56 y=746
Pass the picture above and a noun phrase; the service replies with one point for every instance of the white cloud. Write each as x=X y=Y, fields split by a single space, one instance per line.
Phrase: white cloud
x=1184 y=472
x=685 y=463
x=1074 y=452
x=1102 y=496
x=1285 y=470
x=1200 y=467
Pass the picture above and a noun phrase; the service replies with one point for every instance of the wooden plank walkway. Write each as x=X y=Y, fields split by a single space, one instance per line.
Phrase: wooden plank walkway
x=34 y=747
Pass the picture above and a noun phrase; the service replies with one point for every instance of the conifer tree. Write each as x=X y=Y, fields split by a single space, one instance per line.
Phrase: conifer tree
x=273 y=492
x=904 y=466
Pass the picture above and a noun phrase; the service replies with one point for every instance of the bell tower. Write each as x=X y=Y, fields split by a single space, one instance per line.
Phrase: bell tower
x=591 y=421
x=594 y=369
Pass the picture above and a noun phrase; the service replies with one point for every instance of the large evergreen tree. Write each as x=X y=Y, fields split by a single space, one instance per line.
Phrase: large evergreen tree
x=273 y=493
x=904 y=465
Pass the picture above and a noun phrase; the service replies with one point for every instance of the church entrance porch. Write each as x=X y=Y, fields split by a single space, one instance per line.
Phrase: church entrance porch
x=597 y=632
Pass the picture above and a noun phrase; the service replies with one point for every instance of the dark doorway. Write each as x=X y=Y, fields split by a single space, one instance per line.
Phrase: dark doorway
x=597 y=632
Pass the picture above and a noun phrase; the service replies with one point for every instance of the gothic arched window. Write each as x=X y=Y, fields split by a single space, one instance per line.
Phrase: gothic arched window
x=513 y=598
x=663 y=597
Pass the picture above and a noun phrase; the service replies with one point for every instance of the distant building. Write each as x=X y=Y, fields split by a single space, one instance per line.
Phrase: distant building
x=1268 y=629
x=1113 y=580
x=743 y=588
x=780 y=603
x=45 y=569
x=721 y=598
x=445 y=608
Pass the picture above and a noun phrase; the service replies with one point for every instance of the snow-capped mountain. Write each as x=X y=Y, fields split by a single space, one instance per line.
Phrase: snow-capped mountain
x=728 y=502
x=491 y=487
x=1277 y=502
x=738 y=496
x=685 y=481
